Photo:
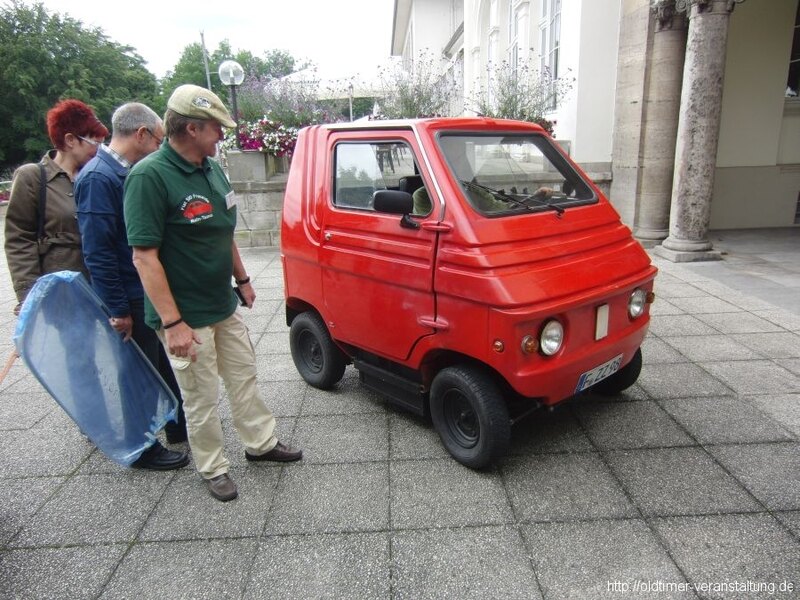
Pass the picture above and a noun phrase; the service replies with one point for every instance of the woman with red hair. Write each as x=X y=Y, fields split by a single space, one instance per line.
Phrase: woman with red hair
x=41 y=227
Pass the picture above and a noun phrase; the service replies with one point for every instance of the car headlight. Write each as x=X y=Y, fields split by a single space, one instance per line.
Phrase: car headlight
x=551 y=338
x=637 y=303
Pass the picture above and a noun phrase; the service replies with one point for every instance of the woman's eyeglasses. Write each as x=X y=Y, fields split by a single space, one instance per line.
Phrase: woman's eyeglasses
x=94 y=143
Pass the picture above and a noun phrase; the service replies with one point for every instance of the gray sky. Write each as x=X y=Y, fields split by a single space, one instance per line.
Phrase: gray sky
x=342 y=37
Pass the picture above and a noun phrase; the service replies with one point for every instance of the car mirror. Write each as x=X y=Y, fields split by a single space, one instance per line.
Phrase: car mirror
x=393 y=202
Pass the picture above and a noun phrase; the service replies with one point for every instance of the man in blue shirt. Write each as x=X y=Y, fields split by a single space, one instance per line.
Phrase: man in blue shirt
x=136 y=132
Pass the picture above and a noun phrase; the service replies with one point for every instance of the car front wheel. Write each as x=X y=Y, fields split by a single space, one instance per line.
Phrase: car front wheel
x=470 y=415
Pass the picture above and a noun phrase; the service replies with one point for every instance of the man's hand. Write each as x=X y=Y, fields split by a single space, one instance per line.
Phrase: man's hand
x=181 y=340
x=124 y=325
x=249 y=293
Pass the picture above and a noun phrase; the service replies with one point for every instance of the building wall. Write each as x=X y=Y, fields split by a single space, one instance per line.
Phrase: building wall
x=471 y=41
x=635 y=39
x=605 y=45
x=759 y=44
x=755 y=182
x=755 y=197
x=565 y=115
x=432 y=26
x=600 y=32
x=789 y=148
x=586 y=115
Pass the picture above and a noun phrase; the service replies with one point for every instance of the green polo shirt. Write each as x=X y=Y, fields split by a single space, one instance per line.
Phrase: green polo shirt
x=181 y=209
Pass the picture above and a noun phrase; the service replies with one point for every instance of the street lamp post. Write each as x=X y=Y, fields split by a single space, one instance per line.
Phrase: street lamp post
x=350 y=95
x=232 y=74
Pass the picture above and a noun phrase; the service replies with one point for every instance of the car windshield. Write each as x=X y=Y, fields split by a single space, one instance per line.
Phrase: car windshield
x=508 y=174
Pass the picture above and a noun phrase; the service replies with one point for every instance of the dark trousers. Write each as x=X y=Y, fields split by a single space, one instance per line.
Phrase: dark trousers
x=148 y=341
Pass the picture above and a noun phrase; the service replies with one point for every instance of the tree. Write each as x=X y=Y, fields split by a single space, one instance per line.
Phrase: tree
x=190 y=67
x=276 y=63
x=46 y=57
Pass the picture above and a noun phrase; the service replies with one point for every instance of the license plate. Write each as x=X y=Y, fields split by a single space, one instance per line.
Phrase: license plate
x=599 y=373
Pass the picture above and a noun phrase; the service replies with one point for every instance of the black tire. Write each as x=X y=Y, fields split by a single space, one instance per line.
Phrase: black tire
x=622 y=379
x=470 y=415
x=318 y=360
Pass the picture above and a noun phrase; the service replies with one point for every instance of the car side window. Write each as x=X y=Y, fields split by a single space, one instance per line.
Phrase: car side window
x=362 y=168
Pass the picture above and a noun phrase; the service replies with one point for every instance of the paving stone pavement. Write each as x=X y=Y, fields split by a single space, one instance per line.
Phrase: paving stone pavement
x=682 y=486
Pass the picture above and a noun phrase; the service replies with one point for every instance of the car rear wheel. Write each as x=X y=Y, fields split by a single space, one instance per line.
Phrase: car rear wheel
x=622 y=379
x=318 y=360
x=470 y=415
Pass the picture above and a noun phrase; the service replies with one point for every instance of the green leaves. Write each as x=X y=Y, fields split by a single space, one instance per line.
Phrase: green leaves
x=191 y=69
x=44 y=58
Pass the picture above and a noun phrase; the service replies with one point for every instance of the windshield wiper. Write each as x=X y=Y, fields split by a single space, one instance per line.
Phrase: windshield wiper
x=500 y=195
x=544 y=202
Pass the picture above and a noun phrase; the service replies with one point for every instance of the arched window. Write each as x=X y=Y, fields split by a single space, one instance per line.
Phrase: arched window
x=550 y=40
x=517 y=33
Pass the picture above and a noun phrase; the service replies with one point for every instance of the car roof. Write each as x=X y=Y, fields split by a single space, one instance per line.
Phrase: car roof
x=437 y=124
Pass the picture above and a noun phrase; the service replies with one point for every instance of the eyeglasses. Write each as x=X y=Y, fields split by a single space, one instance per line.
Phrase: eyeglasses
x=155 y=137
x=94 y=143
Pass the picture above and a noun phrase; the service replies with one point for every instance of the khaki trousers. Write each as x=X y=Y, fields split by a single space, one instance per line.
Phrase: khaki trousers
x=227 y=352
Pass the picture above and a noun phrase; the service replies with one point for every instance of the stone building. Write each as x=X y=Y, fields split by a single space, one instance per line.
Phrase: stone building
x=686 y=104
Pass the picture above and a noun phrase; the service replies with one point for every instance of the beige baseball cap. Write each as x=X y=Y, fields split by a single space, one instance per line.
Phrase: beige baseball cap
x=199 y=103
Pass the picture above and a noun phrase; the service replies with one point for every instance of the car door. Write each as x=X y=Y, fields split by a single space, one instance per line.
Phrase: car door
x=377 y=274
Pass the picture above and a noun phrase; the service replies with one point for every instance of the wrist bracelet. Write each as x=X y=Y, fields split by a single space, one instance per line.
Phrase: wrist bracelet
x=177 y=322
x=242 y=281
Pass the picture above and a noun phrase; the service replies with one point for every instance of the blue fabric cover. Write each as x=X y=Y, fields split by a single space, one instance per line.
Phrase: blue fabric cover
x=107 y=386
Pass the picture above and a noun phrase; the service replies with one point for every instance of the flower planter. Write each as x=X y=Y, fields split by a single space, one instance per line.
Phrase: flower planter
x=277 y=164
x=254 y=165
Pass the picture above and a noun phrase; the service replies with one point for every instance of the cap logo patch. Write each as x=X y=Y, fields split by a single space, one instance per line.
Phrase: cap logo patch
x=201 y=102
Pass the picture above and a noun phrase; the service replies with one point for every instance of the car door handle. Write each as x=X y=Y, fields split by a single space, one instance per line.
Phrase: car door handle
x=328 y=236
x=434 y=323
x=437 y=226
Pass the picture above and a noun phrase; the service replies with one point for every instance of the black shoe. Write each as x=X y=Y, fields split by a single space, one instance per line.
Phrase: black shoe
x=222 y=487
x=158 y=458
x=280 y=453
x=176 y=435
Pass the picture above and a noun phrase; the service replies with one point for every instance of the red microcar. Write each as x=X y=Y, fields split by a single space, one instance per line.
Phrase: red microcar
x=466 y=267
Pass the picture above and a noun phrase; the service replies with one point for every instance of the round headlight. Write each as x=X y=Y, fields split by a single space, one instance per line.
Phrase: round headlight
x=637 y=303
x=551 y=338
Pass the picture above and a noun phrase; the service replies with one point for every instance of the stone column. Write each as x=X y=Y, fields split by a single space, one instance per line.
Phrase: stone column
x=660 y=122
x=698 y=131
x=635 y=41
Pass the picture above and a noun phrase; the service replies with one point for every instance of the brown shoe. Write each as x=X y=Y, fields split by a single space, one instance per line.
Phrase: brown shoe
x=280 y=453
x=222 y=487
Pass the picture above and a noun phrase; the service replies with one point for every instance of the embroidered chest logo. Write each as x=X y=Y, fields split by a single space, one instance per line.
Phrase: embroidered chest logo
x=196 y=208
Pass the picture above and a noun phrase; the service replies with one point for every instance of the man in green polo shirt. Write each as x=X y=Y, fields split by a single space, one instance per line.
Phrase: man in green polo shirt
x=180 y=214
